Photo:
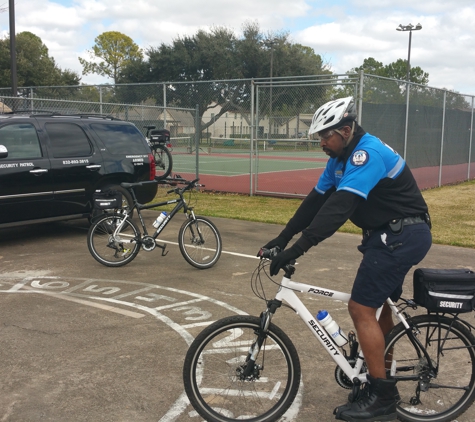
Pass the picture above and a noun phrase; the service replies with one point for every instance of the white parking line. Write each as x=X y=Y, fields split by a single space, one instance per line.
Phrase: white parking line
x=242 y=255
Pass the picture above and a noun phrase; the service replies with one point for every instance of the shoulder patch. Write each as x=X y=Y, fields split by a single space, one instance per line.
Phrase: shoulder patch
x=359 y=158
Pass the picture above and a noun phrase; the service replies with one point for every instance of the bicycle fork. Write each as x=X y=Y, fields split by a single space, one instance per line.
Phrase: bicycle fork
x=195 y=229
x=251 y=370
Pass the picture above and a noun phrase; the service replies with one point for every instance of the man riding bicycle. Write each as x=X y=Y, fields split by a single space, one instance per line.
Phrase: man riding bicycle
x=369 y=183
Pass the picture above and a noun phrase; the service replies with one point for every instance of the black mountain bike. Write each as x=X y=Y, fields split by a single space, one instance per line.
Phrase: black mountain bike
x=115 y=239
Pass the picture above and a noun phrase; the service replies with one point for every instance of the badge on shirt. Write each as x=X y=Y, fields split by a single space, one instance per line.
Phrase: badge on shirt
x=359 y=158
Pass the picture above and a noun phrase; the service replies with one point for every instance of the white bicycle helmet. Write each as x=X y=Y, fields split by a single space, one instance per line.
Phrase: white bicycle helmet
x=333 y=114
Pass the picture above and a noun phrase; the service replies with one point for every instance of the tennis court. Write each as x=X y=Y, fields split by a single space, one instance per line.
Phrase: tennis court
x=283 y=169
x=225 y=164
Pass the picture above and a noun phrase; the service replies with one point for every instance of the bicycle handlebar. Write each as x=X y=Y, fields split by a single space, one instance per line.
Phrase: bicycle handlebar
x=188 y=186
x=269 y=253
x=289 y=268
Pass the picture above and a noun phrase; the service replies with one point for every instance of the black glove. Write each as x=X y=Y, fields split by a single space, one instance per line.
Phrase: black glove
x=282 y=259
x=279 y=241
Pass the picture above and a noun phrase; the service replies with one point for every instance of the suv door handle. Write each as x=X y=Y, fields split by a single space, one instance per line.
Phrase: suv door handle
x=38 y=172
x=94 y=167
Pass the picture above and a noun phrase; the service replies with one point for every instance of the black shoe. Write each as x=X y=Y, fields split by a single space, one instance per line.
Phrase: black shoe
x=375 y=402
x=355 y=396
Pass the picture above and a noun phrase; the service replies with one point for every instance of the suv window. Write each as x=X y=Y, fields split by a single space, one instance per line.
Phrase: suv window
x=21 y=141
x=121 y=139
x=68 y=140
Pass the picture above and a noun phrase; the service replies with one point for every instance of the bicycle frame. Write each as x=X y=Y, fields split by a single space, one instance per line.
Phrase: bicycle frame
x=180 y=203
x=286 y=293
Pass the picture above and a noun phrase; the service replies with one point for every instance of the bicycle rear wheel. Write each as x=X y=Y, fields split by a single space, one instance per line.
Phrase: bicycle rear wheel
x=442 y=396
x=213 y=367
x=163 y=161
x=200 y=242
x=113 y=250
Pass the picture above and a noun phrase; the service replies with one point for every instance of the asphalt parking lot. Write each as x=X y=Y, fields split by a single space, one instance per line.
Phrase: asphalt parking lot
x=84 y=342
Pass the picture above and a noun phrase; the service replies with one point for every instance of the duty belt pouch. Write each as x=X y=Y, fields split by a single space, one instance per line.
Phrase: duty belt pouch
x=396 y=226
x=445 y=290
x=106 y=200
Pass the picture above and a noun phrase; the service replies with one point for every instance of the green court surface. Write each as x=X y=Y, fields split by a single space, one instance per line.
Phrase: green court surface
x=234 y=164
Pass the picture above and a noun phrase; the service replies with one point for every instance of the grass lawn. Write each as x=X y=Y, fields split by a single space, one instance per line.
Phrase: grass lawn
x=452 y=209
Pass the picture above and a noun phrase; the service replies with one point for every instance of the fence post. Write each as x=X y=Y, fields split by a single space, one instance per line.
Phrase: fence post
x=100 y=99
x=165 y=106
x=408 y=88
x=470 y=144
x=360 y=99
x=197 y=138
x=251 y=139
x=31 y=100
x=442 y=140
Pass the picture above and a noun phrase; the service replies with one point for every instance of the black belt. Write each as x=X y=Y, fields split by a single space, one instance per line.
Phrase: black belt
x=397 y=225
x=407 y=221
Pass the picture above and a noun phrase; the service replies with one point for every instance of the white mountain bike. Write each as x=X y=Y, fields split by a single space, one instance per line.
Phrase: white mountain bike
x=246 y=368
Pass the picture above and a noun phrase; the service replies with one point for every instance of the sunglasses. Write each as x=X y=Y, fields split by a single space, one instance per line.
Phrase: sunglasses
x=318 y=136
x=325 y=135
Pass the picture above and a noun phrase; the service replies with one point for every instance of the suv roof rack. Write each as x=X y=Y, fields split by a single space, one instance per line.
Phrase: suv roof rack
x=79 y=115
x=43 y=113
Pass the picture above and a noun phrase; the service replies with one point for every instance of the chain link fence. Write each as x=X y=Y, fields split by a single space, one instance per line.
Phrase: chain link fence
x=251 y=136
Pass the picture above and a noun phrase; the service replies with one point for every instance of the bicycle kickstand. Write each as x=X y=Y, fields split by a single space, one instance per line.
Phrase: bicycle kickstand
x=162 y=247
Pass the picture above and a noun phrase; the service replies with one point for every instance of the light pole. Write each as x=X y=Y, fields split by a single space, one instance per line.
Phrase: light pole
x=13 y=70
x=270 y=43
x=409 y=28
x=270 y=93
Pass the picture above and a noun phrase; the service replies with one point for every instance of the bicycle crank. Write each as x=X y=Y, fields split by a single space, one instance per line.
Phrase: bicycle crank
x=148 y=243
x=341 y=378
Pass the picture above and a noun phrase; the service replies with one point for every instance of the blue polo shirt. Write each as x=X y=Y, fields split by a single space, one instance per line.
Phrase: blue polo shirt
x=371 y=161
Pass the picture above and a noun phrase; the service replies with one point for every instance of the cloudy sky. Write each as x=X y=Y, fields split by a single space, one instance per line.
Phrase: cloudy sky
x=344 y=32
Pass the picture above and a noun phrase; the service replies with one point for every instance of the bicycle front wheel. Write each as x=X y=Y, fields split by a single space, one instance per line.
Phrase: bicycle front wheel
x=213 y=376
x=449 y=391
x=163 y=161
x=200 y=242
x=112 y=248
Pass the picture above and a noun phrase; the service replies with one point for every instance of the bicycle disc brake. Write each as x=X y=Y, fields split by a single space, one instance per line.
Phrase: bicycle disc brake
x=253 y=376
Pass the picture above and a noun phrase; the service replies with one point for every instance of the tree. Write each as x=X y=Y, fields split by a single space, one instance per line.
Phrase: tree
x=394 y=90
x=114 y=51
x=390 y=85
x=398 y=70
x=34 y=65
x=215 y=62
x=394 y=70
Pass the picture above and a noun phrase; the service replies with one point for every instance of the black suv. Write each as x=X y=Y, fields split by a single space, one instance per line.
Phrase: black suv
x=51 y=164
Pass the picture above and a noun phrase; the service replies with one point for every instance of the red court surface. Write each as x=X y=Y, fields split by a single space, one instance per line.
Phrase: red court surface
x=300 y=182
